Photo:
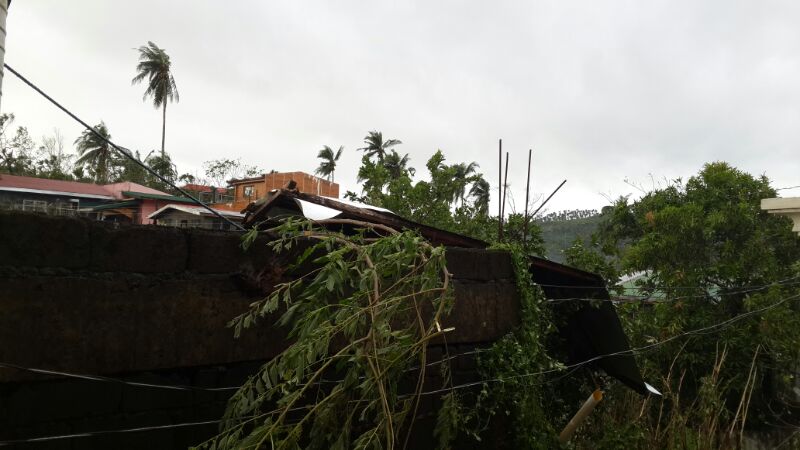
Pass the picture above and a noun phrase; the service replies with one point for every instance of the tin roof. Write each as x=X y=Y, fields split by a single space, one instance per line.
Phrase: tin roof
x=15 y=183
x=196 y=210
x=316 y=207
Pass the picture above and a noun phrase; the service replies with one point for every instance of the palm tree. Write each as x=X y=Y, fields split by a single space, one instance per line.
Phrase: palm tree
x=397 y=166
x=154 y=64
x=328 y=165
x=462 y=175
x=481 y=193
x=95 y=152
x=376 y=146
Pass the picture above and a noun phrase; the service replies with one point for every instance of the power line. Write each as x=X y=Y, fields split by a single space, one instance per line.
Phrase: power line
x=571 y=368
x=639 y=288
x=633 y=351
x=176 y=387
x=233 y=388
x=122 y=150
x=105 y=432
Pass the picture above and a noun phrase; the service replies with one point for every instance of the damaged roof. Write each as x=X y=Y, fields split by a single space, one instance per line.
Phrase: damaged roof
x=284 y=202
x=592 y=333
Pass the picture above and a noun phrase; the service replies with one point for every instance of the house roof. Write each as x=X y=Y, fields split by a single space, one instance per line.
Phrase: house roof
x=14 y=183
x=159 y=196
x=196 y=210
x=590 y=332
x=118 y=190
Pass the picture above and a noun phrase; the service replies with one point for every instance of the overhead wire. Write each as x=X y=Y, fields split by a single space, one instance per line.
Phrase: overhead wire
x=571 y=368
x=179 y=387
x=106 y=432
x=125 y=152
x=633 y=351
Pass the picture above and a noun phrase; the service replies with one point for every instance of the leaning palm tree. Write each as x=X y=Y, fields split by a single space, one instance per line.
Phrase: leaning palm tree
x=376 y=146
x=397 y=165
x=328 y=165
x=481 y=193
x=95 y=152
x=154 y=64
x=463 y=175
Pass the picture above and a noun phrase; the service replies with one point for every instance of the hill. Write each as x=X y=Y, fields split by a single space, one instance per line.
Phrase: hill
x=560 y=229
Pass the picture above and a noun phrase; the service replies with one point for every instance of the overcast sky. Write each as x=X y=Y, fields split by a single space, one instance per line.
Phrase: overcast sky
x=602 y=91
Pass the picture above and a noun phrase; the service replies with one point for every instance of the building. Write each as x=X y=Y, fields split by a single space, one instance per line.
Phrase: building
x=789 y=207
x=209 y=194
x=189 y=216
x=124 y=202
x=56 y=197
x=248 y=190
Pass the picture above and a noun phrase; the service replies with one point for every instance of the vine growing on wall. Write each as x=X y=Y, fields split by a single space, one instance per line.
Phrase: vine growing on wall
x=359 y=320
x=514 y=394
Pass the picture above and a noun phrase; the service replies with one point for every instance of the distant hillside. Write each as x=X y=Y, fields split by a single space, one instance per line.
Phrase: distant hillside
x=559 y=230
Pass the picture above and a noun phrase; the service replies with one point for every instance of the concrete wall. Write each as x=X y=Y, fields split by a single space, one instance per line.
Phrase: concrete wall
x=152 y=303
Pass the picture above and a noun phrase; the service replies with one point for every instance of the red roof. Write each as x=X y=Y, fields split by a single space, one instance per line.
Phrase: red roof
x=14 y=182
x=74 y=188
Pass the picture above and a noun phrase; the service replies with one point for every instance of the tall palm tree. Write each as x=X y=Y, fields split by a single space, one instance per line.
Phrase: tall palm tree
x=462 y=175
x=396 y=165
x=328 y=165
x=95 y=152
x=154 y=64
x=481 y=193
x=376 y=146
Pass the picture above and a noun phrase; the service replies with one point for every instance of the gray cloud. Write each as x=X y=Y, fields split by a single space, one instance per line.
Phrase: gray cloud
x=601 y=90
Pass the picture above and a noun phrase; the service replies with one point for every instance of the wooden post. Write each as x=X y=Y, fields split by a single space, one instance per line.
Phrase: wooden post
x=500 y=191
x=527 y=194
x=580 y=416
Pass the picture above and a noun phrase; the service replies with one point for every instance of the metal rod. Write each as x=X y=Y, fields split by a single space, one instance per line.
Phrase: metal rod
x=125 y=153
x=527 y=194
x=500 y=191
x=547 y=199
x=505 y=189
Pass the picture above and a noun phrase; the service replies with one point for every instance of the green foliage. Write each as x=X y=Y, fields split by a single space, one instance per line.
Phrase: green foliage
x=560 y=230
x=16 y=150
x=96 y=155
x=516 y=393
x=329 y=159
x=454 y=197
x=155 y=67
x=376 y=146
x=359 y=316
x=219 y=171
x=710 y=254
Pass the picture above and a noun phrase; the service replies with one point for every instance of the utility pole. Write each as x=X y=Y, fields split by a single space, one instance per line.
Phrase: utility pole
x=4 y=4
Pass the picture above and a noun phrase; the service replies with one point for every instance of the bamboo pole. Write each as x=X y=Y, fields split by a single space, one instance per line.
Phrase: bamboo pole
x=580 y=416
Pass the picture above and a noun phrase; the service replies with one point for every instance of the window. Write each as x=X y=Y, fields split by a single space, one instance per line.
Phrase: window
x=248 y=191
x=34 y=205
x=194 y=223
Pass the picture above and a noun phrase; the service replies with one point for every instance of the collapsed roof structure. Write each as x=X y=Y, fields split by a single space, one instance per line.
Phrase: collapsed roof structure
x=593 y=334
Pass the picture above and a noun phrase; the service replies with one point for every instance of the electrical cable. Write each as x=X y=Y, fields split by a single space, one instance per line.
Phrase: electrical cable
x=571 y=369
x=113 y=380
x=106 y=432
x=633 y=351
x=233 y=388
x=125 y=152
